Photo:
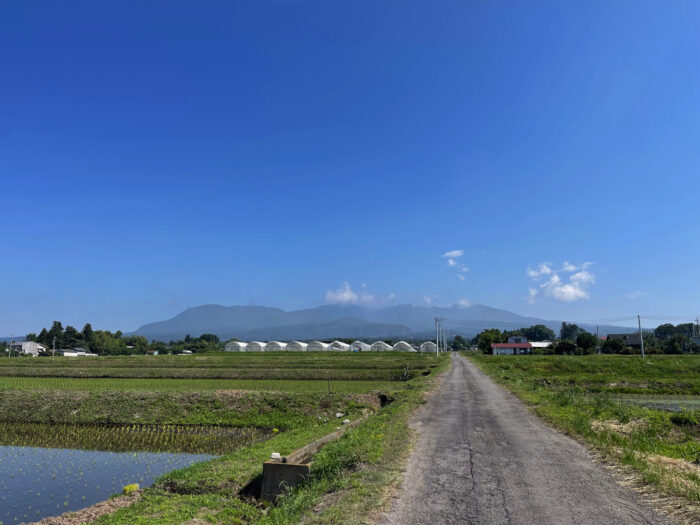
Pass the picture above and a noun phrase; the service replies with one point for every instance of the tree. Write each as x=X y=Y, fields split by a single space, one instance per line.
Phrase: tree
x=677 y=344
x=71 y=337
x=87 y=333
x=459 y=343
x=487 y=337
x=209 y=338
x=30 y=337
x=586 y=341
x=538 y=332
x=614 y=346
x=568 y=332
x=565 y=348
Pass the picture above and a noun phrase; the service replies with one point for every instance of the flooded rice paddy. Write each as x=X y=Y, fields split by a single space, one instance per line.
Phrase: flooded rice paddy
x=49 y=469
x=39 y=482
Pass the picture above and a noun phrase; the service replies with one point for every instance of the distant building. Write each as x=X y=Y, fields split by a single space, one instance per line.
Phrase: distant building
x=631 y=340
x=255 y=346
x=381 y=346
x=297 y=346
x=26 y=348
x=317 y=346
x=275 y=346
x=540 y=344
x=339 y=346
x=75 y=352
x=403 y=346
x=235 y=346
x=428 y=347
x=516 y=345
x=359 y=346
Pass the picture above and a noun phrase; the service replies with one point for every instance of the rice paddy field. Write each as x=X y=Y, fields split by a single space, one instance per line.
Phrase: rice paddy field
x=644 y=414
x=70 y=425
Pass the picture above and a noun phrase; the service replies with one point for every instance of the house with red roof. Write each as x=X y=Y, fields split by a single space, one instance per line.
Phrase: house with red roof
x=516 y=345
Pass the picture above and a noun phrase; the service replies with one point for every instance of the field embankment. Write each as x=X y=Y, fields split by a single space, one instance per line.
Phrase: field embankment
x=604 y=400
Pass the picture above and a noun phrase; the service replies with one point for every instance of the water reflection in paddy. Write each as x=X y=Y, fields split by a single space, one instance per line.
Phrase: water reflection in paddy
x=40 y=482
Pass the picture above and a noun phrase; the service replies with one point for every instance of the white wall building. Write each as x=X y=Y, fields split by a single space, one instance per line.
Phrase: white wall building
x=428 y=347
x=235 y=346
x=317 y=346
x=275 y=346
x=381 y=346
x=297 y=346
x=255 y=346
x=403 y=346
x=359 y=346
x=338 y=346
x=27 y=348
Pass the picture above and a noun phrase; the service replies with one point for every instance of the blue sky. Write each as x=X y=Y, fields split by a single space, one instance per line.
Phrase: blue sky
x=159 y=155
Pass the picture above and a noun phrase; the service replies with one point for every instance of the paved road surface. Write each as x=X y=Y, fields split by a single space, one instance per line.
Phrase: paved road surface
x=482 y=458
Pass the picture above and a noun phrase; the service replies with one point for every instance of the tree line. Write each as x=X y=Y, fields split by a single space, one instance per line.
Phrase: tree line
x=574 y=340
x=104 y=342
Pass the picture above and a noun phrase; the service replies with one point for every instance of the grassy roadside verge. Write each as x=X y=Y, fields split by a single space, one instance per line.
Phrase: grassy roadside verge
x=351 y=476
x=579 y=396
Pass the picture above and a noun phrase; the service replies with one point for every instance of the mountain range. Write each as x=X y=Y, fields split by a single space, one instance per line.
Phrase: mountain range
x=340 y=321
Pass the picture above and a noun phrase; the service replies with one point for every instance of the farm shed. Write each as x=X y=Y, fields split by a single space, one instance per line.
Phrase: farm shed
x=403 y=346
x=317 y=346
x=255 y=346
x=338 y=346
x=428 y=347
x=381 y=346
x=359 y=346
x=297 y=346
x=235 y=346
x=275 y=346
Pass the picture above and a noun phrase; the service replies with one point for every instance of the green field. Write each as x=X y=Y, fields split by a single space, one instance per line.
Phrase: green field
x=241 y=405
x=641 y=413
x=191 y=385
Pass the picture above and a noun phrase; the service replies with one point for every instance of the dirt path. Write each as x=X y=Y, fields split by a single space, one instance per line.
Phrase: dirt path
x=482 y=458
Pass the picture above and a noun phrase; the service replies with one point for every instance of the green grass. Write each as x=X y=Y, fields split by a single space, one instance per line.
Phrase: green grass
x=189 y=385
x=581 y=395
x=354 y=472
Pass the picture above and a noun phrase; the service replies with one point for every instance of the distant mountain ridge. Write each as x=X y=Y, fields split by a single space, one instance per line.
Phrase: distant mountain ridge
x=331 y=321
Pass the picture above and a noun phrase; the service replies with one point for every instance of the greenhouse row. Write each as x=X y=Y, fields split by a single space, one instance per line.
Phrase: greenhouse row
x=320 y=346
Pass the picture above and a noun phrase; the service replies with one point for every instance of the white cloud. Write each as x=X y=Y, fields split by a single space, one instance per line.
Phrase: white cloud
x=543 y=269
x=464 y=303
x=636 y=294
x=451 y=262
x=428 y=300
x=343 y=295
x=346 y=295
x=576 y=287
x=453 y=254
x=532 y=293
x=460 y=277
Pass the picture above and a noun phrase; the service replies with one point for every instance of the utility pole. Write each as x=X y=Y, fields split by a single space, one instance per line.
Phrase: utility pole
x=641 y=337
x=597 y=340
x=9 y=348
x=437 y=338
x=53 y=350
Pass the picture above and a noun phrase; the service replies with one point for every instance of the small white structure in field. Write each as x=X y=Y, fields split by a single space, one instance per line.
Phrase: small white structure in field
x=403 y=346
x=275 y=346
x=255 y=346
x=381 y=346
x=338 y=346
x=297 y=346
x=540 y=344
x=359 y=346
x=77 y=353
x=428 y=347
x=317 y=346
x=235 y=346
x=27 y=348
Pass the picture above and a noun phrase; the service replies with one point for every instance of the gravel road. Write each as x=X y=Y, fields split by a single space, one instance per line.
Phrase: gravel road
x=482 y=458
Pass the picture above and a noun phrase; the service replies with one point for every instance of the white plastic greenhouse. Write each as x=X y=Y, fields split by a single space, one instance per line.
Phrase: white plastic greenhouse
x=317 y=346
x=235 y=346
x=338 y=346
x=381 y=346
x=275 y=346
x=403 y=346
x=297 y=346
x=428 y=347
x=255 y=346
x=359 y=346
